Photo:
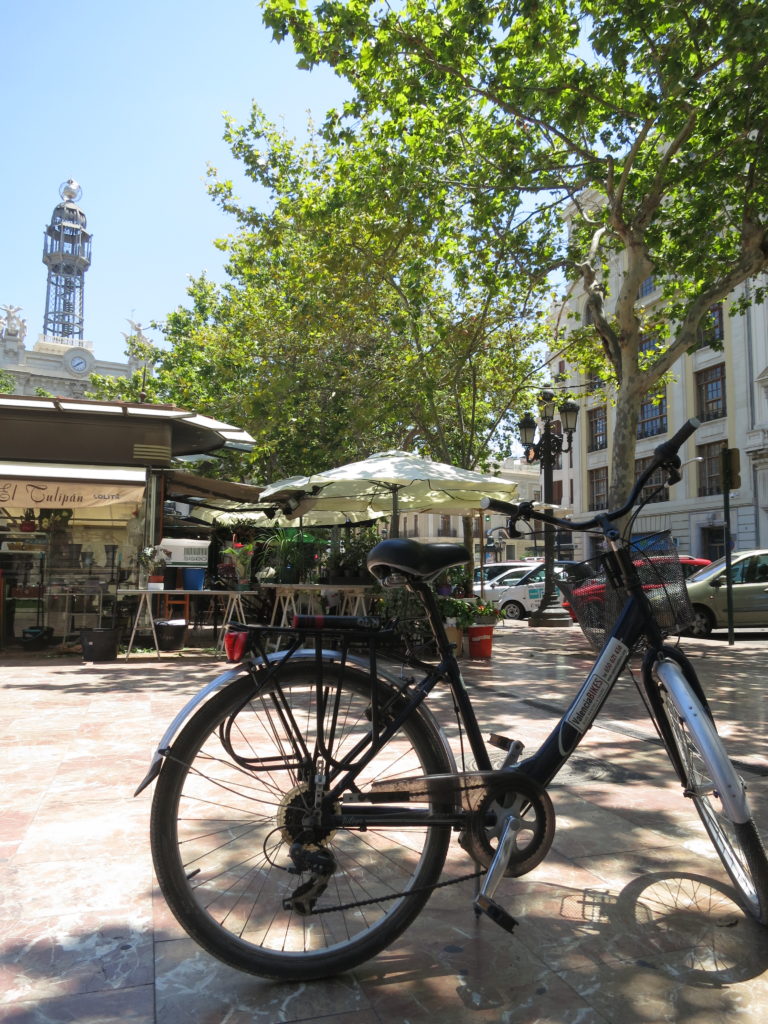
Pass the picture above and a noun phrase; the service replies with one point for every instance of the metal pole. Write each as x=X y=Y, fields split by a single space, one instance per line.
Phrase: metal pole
x=725 y=466
x=549 y=612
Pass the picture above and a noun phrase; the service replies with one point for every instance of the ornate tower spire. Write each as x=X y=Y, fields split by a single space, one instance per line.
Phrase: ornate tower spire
x=67 y=254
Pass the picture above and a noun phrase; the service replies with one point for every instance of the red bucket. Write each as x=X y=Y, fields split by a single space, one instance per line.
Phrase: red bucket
x=480 y=641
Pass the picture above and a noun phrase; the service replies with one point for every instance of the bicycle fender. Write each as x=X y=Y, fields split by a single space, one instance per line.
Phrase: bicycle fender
x=724 y=775
x=236 y=672
x=192 y=705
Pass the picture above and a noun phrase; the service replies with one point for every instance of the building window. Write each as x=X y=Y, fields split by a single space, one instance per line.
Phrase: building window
x=710 y=468
x=655 y=489
x=711 y=329
x=410 y=531
x=445 y=529
x=710 y=393
x=648 y=343
x=646 y=287
x=598 y=488
x=597 y=427
x=653 y=417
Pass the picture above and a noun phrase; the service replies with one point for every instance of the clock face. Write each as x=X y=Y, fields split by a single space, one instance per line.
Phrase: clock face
x=78 y=364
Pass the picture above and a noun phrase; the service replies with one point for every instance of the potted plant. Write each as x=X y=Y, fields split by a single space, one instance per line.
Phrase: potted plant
x=485 y=613
x=282 y=551
x=457 y=616
x=352 y=562
x=480 y=634
x=151 y=563
x=242 y=558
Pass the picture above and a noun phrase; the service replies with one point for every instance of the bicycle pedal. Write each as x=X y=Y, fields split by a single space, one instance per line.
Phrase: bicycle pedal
x=501 y=742
x=514 y=748
x=496 y=913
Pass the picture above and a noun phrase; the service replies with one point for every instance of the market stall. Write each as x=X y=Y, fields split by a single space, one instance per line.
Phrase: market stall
x=81 y=496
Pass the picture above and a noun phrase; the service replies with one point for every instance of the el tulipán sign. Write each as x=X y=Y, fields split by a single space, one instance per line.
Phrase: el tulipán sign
x=49 y=494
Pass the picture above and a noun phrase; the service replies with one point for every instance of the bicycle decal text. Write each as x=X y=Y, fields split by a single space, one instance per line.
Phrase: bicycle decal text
x=598 y=684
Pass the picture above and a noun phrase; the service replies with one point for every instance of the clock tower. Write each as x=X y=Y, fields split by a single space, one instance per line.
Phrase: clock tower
x=62 y=360
x=67 y=254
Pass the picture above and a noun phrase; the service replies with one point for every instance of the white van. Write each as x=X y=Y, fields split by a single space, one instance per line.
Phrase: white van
x=520 y=590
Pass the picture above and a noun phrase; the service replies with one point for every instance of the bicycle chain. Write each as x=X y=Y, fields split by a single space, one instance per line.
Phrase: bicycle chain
x=376 y=899
x=396 y=895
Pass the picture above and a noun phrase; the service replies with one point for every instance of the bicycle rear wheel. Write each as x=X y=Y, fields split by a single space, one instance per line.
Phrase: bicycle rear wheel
x=711 y=781
x=231 y=802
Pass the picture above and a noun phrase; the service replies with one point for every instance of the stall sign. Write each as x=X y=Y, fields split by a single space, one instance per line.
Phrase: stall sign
x=64 y=494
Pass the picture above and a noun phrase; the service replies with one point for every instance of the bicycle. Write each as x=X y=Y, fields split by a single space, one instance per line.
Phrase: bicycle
x=305 y=799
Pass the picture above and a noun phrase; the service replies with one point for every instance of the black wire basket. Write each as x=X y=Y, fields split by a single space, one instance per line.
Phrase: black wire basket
x=596 y=604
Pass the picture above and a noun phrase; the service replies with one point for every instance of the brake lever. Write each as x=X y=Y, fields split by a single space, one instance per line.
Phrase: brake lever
x=523 y=509
x=673 y=468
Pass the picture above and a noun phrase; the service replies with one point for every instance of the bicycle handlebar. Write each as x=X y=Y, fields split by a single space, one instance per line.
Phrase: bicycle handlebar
x=665 y=455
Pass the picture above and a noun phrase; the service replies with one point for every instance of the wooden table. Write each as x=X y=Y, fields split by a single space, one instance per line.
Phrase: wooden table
x=314 y=598
x=233 y=609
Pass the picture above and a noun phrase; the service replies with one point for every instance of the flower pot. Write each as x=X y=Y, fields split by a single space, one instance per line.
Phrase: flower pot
x=156 y=583
x=480 y=641
x=485 y=620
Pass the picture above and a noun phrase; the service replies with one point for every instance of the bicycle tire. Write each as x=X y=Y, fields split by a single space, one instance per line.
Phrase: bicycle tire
x=697 y=752
x=221 y=831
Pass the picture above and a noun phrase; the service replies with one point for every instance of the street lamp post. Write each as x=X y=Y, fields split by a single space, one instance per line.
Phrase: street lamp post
x=546 y=451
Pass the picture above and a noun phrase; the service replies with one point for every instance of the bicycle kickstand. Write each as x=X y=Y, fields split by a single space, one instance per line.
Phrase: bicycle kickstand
x=484 y=901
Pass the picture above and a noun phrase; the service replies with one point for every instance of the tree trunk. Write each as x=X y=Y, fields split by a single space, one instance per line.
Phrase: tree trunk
x=622 y=476
x=469 y=544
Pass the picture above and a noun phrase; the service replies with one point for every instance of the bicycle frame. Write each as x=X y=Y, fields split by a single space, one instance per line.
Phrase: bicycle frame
x=634 y=622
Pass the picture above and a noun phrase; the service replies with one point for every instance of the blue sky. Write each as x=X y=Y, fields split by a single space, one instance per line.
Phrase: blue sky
x=128 y=100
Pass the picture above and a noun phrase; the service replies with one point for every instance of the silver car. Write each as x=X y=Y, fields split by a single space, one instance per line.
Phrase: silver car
x=708 y=593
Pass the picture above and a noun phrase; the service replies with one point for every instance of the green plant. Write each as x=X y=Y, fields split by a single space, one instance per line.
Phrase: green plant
x=481 y=609
x=288 y=550
x=357 y=544
x=455 y=608
x=153 y=559
x=242 y=556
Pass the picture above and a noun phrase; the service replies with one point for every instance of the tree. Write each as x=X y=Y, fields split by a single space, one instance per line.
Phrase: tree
x=602 y=132
x=7 y=383
x=346 y=324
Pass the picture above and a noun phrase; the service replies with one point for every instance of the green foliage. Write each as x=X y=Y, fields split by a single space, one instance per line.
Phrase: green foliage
x=350 y=321
x=7 y=383
x=578 y=134
x=242 y=557
x=455 y=608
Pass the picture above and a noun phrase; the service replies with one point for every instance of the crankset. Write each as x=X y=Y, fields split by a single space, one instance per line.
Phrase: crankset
x=514 y=802
x=511 y=831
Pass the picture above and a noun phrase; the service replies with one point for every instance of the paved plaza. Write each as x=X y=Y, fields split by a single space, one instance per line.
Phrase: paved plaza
x=629 y=919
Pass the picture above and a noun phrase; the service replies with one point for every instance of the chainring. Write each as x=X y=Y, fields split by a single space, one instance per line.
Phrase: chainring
x=534 y=818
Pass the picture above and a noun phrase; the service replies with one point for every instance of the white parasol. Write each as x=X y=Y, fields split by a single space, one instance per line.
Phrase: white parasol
x=388 y=483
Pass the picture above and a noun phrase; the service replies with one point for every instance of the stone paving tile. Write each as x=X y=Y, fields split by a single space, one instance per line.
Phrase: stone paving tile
x=630 y=918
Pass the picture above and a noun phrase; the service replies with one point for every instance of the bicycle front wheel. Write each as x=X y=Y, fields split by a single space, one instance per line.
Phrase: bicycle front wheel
x=230 y=810
x=708 y=777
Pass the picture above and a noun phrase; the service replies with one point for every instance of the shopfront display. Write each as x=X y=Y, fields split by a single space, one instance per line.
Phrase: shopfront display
x=81 y=496
x=61 y=566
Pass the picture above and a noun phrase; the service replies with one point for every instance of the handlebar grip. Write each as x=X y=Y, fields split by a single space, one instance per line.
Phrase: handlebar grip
x=669 y=448
x=504 y=508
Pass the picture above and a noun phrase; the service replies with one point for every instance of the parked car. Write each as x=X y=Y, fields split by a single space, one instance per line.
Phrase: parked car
x=708 y=593
x=520 y=590
x=491 y=570
x=595 y=591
